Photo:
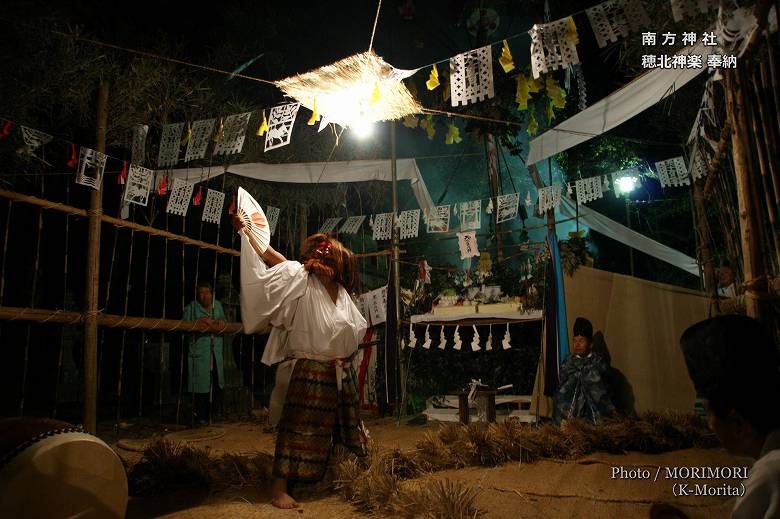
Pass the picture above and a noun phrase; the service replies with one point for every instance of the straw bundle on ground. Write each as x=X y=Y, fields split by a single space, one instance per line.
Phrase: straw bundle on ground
x=167 y=465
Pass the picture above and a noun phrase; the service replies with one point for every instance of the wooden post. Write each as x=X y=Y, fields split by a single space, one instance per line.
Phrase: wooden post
x=463 y=408
x=751 y=257
x=92 y=276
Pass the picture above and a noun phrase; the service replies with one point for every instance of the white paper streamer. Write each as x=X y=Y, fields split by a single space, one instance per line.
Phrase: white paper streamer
x=383 y=226
x=489 y=345
x=179 y=199
x=409 y=224
x=138 y=185
x=471 y=76
x=280 y=124
x=329 y=224
x=212 y=208
x=471 y=215
x=475 y=340
x=507 y=207
x=138 y=147
x=412 y=337
x=588 y=189
x=234 y=134
x=551 y=47
x=467 y=241
x=427 y=341
x=505 y=343
x=34 y=139
x=352 y=224
x=439 y=219
x=170 y=141
x=91 y=166
x=456 y=339
x=199 y=141
x=673 y=173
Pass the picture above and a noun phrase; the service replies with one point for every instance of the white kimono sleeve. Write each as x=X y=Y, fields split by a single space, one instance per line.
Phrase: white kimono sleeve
x=266 y=291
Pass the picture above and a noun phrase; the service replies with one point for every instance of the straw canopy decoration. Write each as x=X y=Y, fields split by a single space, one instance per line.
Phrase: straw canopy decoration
x=354 y=91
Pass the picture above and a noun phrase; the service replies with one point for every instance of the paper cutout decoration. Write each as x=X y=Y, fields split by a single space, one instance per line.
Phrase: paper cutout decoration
x=199 y=141
x=467 y=241
x=471 y=215
x=34 y=139
x=505 y=342
x=233 y=135
x=433 y=79
x=549 y=198
x=378 y=305
x=605 y=187
x=442 y=339
x=138 y=184
x=383 y=226
x=489 y=208
x=272 y=213
x=588 y=189
x=690 y=8
x=475 y=340
x=138 y=146
x=280 y=124
x=489 y=345
x=553 y=46
x=673 y=173
x=329 y=224
x=471 y=76
x=170 y=142
x=523 y=91
x=456 y=339
x=439 y=219
x=179 y=199
x=427 y=340
x=254 y=218
x=410 y=223
x=412 y=336
x=533 y=125
x=698 y=167
x=555 y=93
x=507 y=207
x=615 y=19
x=91 y=166
x=506 y=60
x=582 y=101
x=352 y=224
x=528 y=201
x=212 y=208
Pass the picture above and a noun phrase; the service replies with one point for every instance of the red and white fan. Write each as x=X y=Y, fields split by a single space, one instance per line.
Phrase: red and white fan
x=254 y=218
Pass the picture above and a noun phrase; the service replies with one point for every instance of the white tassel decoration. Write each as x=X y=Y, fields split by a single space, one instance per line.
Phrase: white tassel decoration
x=505 y=343
x=456 y=339
x=412 y=337
x=442 y=339
x=427 y=343
x=475 y=341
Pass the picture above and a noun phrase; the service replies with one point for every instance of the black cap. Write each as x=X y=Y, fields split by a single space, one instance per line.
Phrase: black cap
x=733 y=362
x=584 y=328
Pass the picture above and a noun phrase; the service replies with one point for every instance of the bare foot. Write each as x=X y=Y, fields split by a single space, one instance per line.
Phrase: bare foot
x=284 y=500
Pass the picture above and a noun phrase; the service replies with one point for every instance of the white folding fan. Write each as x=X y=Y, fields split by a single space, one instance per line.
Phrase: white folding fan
x=254 y=218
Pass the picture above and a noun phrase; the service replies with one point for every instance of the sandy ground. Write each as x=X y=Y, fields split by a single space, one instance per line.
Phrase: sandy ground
x=547 y=488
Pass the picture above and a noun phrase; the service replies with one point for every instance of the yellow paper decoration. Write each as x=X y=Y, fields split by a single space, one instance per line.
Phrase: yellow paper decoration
x=263 y=126
x=375 y=95
x=550 y=113
x=411 y=121
x=433 y=80
x=220 y=131
x=188 y=136
x=556 y=94
x=533 y=126
x=522 y=94
x=534 y=86
x=427 y=125
x=314 y=114
x=453 y=135
x=506 y=59
x=572 y=36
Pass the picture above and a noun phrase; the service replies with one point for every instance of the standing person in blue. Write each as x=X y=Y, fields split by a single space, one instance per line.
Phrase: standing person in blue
x=204 y=362
x=582 y=392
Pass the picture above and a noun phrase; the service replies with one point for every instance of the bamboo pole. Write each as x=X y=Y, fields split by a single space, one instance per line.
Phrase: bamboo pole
x=700 y=221
x=492 y=166
x=12 y=195
x=92 y=277
x=39 y=315
x=747 y=219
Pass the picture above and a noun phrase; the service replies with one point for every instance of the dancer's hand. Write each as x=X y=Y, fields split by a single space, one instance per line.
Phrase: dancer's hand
x=238 y=223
